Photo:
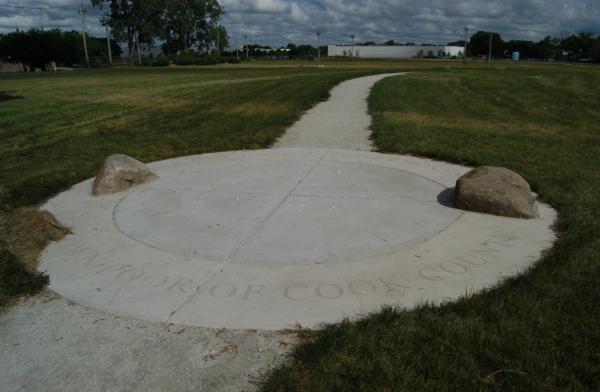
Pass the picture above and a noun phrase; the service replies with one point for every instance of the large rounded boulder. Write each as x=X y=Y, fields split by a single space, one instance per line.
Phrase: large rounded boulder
x=495 y=190
x=120 y=172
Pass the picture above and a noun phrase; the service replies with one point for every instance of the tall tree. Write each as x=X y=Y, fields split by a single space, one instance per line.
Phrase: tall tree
x=480 y=44
x=126 y=18
x=594 y=51
x=36 y=48
x=220 y=38
x=548 y=48
x=190 y=23
x=577 y=45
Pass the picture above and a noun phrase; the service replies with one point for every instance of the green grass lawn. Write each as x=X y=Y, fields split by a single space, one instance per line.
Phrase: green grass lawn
x=66 y=124
x=538 y=331
x=56 y=129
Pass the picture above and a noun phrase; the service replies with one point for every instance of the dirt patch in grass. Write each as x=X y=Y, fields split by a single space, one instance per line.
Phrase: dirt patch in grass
x=24 y=233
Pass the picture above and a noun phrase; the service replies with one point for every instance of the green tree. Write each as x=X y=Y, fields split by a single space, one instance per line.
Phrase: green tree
x=37 y=48
x=527 y=49
x=577 y=45
x=128 y=18
x=548 y=48
x=220 y=38
x=190 y=23
x=480 y=44
x=594 y=51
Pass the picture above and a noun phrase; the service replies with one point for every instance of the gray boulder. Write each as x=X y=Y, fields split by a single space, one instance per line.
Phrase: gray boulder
x=495 y=190
x=120 y=172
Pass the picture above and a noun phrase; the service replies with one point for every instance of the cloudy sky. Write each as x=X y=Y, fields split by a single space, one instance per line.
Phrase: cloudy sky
x=277 y=22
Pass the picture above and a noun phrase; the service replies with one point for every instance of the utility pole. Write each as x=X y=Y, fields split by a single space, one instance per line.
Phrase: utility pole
x=352 y=53
x=218 y=42
x=108 y=47
x=137 y=43
x=490 y=54
x=465 y=53
x=81 y=12
x=246 y=36
x=318 y=47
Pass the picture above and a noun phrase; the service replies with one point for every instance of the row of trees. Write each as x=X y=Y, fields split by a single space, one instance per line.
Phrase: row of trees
x=291 y=51
x=574 y=47
x=37 y=48
x=179 y=24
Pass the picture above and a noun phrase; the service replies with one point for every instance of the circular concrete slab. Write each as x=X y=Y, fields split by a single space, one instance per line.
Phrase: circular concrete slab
x=266 y=239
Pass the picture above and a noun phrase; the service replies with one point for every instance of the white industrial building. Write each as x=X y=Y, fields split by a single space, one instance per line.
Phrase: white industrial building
x=394 y=52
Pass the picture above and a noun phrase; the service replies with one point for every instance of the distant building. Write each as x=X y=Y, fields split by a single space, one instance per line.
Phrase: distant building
x=11 y=67
x=394 y=52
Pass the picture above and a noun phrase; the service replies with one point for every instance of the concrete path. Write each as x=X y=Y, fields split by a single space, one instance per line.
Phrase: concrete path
x=48 y=343
x=340 y=122
x=270 y=238
x=284 y=248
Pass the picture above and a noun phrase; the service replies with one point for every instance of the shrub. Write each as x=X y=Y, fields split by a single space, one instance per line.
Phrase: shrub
x=193 y=58
x=160 y=61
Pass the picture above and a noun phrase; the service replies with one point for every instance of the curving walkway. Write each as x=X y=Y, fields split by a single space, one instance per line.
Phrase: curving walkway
x=340 y=122
x=366 y=229
x=49 y=343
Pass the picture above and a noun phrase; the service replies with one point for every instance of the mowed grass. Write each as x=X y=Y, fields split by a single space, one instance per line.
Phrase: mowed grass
x=537 y=331
x=56 y=129
x=66 y=124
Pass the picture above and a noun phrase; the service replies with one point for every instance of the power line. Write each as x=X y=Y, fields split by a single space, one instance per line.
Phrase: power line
x=35 y=8
x=46 y=27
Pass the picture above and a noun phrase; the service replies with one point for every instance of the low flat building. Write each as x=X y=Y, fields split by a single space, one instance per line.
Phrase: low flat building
x=395 y=51
x=11 y=67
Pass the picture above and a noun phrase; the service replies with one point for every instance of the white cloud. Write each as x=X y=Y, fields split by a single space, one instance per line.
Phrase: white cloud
x=276 y=22
x=257 y=6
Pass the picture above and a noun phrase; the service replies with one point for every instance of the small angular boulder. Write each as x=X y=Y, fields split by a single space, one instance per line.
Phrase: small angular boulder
x=495 y=190
x=119 y=172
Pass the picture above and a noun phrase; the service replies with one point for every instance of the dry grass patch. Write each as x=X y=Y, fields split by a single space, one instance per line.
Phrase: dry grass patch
x=255 y=109
x=24 y=233
x=454 y=121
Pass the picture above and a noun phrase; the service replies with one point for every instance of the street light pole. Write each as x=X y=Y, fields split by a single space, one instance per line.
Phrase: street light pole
x=137 y=44
x=108 y=47
x=352 y=53
x=465 y=53
x=490 y=54
x=318 y=47
x=246 y=35
x=81 y=12
x=218 y=42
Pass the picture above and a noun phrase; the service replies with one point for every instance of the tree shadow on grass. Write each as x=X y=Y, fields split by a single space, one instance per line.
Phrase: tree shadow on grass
x=6 y=97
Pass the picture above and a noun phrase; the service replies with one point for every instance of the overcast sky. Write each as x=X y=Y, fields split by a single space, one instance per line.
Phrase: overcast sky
x=277 y=22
